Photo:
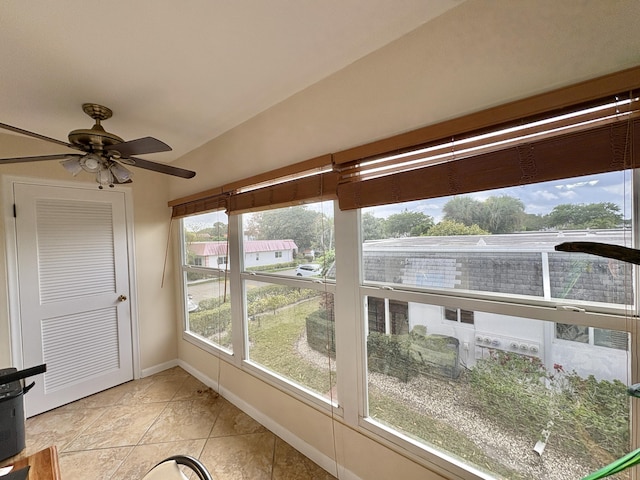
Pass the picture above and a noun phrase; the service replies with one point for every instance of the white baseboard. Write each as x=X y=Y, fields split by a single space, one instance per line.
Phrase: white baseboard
x=296 y=442
x=159 y=368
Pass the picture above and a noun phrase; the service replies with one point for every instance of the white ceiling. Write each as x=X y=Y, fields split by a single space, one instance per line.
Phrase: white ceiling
x=181 y=71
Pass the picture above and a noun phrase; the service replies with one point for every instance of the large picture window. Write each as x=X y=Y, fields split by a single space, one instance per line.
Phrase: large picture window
x=288 y=255
x=501 y=242
x=474 y=376
x=466 y=340
x=206 y=278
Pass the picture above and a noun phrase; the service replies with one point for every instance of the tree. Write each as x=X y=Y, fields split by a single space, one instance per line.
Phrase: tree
x=408 y=224
x=533 y=223
x=217 y=232
x=592 y=215
x=450 y=227
x=307 y=228
x=502 y=214
x=373 y=227
x=463 y=210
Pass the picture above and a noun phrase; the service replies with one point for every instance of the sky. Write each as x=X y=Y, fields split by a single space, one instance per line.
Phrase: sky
x=538 y=198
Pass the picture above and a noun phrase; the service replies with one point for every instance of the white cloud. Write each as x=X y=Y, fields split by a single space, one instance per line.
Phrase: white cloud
x=545 y=195
x=569 y=194
x=428 y=206
x=571 y=186
x=619 y=190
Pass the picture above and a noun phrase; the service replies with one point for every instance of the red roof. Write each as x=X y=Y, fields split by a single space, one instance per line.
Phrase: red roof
x=207 y=249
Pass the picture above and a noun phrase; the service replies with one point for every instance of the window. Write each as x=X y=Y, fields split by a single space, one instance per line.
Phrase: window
x=594 y=336
x=289 y=310
x=492 y=358
x=476 y=339
x=458 y=315
x=573 y=333
x=208 y=299
x=293 y=230
x=387 y=316
x=502 y=242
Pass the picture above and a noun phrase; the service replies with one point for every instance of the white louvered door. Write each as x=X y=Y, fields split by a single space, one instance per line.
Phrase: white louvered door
x=74 y=291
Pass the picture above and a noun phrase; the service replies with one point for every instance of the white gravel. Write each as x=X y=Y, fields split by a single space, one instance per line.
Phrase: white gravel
x=445 y=400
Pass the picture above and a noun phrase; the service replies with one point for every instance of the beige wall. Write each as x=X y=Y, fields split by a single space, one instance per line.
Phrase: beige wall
x=478 y=55
x=156 y=304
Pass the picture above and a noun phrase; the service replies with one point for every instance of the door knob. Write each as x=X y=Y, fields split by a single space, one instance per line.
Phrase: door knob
x=122 y=298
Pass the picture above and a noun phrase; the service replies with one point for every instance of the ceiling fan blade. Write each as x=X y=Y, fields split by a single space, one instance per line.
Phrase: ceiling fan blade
x=160 y=167
x=37 y=135
x=39 y=158
x=140 y=146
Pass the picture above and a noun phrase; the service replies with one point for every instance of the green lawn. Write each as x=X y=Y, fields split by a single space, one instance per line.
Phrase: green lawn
x=273 y=339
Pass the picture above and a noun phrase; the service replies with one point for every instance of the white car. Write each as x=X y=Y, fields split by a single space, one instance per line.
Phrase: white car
x=308 y=270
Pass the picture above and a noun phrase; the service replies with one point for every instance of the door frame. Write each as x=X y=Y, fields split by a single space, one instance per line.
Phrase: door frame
x=11 y=256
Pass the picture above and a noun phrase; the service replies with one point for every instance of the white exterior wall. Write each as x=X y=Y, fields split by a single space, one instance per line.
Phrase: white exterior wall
x=258 y=259
x=524 y=336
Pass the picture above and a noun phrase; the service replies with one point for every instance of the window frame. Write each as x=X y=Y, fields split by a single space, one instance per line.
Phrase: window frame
x=592 y=316
x=188 y=335
x=321 y=284
x=352 y=408
x=349 y=298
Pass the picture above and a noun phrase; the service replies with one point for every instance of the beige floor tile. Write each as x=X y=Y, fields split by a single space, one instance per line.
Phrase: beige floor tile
x=233 y=421
x=184 y=420
x=118 y=426
x=144 y=457
x=119 y=434
x=289 y=464
x=161 y=388
x=193 y=388
x=106 y=398
x=240 y=457
x=58 y=427
x=92 y=464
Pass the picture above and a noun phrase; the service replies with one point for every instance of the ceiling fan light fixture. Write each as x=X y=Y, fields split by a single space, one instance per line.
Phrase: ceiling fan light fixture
x=91 y=163
x=104 y=177
x=121 y=173
x=72 y=165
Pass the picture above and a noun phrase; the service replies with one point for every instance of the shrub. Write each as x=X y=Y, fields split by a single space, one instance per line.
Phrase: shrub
x=321 y=333
x=518 y=392
x=273 y=267
x=273 y=297
x=211 y=321
x=389 y=354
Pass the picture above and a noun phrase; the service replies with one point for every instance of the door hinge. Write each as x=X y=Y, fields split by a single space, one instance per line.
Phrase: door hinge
x=14 y=211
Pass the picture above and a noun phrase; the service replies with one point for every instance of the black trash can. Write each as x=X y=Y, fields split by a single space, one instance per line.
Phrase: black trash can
x=11 y=417
x=12 y=438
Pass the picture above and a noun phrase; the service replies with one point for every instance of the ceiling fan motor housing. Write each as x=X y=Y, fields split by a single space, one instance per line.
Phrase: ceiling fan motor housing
x=95 y=139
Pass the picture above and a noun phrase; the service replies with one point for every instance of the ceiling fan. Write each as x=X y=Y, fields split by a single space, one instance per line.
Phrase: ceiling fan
x=103 y=152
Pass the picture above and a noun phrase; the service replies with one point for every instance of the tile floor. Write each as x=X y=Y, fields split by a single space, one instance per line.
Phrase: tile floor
x=121 y=433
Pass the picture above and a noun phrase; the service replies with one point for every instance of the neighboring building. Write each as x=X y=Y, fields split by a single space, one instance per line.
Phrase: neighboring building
x=256 y=253
x=524 y=264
